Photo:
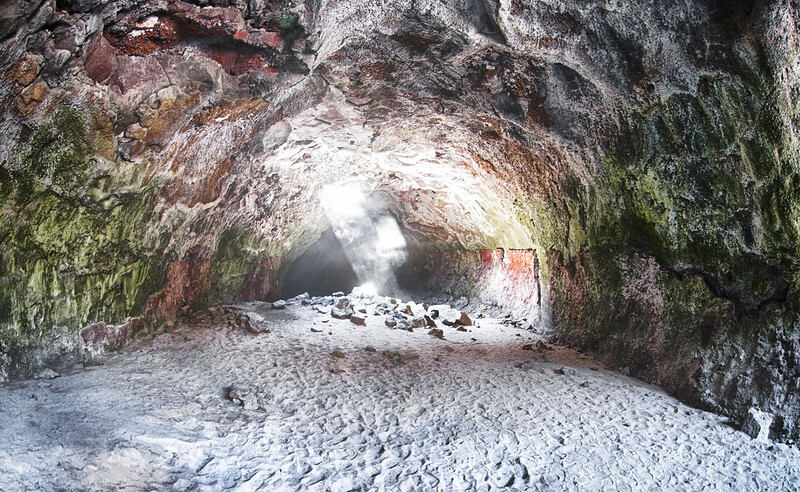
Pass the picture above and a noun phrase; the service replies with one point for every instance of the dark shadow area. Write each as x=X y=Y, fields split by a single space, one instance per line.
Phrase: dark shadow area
x=322 y=269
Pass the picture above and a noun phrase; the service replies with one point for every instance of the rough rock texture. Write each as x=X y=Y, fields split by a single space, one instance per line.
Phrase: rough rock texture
x=639 y=158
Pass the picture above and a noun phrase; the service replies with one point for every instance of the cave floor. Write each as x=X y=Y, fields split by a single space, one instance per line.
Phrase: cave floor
x=419 y=413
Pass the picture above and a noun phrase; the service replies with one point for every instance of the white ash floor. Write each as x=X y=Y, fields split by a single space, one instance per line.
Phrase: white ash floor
x=430 y=414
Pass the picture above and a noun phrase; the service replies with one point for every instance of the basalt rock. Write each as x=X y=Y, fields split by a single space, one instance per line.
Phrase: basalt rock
x=622 y=175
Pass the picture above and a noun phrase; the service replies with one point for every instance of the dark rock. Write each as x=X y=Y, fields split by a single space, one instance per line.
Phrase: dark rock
x=339 y=313
x=343 y=309
x=253 y=323
x=461 y=328
x=391 y=322
x=418 y=322
x=280 y=304
x=369 y=348
x=436 y=332
x=464 y=320
x=338 y=354
x=527 y=346
x=101 y=60
x=358 y=319
x=314 y=330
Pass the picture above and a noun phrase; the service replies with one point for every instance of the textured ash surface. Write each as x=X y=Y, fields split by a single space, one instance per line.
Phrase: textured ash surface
x=418 y=413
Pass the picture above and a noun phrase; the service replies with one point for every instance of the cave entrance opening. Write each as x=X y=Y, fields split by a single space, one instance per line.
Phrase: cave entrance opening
x=321 y=270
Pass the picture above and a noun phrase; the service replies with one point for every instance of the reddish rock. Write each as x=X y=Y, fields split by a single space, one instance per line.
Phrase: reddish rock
x=187 y=281
x=266 y=39
x=24 y=71
x=259 y=285
x=141 y=73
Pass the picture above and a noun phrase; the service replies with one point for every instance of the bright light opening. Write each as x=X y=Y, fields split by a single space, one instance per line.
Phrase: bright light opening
x=365 y=290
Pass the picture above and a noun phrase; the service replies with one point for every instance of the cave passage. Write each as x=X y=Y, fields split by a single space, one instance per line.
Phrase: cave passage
x=322 y=269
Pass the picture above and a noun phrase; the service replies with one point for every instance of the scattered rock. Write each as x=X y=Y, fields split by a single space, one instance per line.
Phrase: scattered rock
x=358 y=319
x=757 y=424
x=418 y=322
x=252 y=322
x=314 y=330
x=338 y=354
x=464 y=320
x=540 y=345
x=461 y=328
x=559 y=371
x=369 y=348
x=337 y=371
x=46 y=373
x=279 y=304
x=391 y=322
x=430 y=322
x=527 y=346
x=436 y=332
x=343 y=309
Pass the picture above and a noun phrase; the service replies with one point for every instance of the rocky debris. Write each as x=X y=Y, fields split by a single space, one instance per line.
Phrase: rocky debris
x=436 y=332
x=444 y=314
x=338 y=354
x=252 y=322
x=559 y=371
x=280 y=304
x=418 y=322
x=314 y=330
x=337 y=371
x=369 y=348
x=46 y=373
x=397 y=314
x=757 y=424
x=343 y=309
x=249 y=398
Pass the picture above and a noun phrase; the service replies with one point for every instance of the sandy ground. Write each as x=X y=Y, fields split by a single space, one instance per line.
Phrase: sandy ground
x=418 y=413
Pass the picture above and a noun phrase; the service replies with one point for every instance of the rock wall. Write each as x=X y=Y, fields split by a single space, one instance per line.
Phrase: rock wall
x=639 y=159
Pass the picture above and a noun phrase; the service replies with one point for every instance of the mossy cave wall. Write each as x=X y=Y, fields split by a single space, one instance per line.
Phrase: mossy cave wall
x=634 y=170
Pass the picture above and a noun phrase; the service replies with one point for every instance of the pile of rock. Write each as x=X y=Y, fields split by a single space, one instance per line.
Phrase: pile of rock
x=232 y=316
x=358 y=306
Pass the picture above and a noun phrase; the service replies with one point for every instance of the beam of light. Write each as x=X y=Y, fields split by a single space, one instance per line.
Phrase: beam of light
x=374 y=247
